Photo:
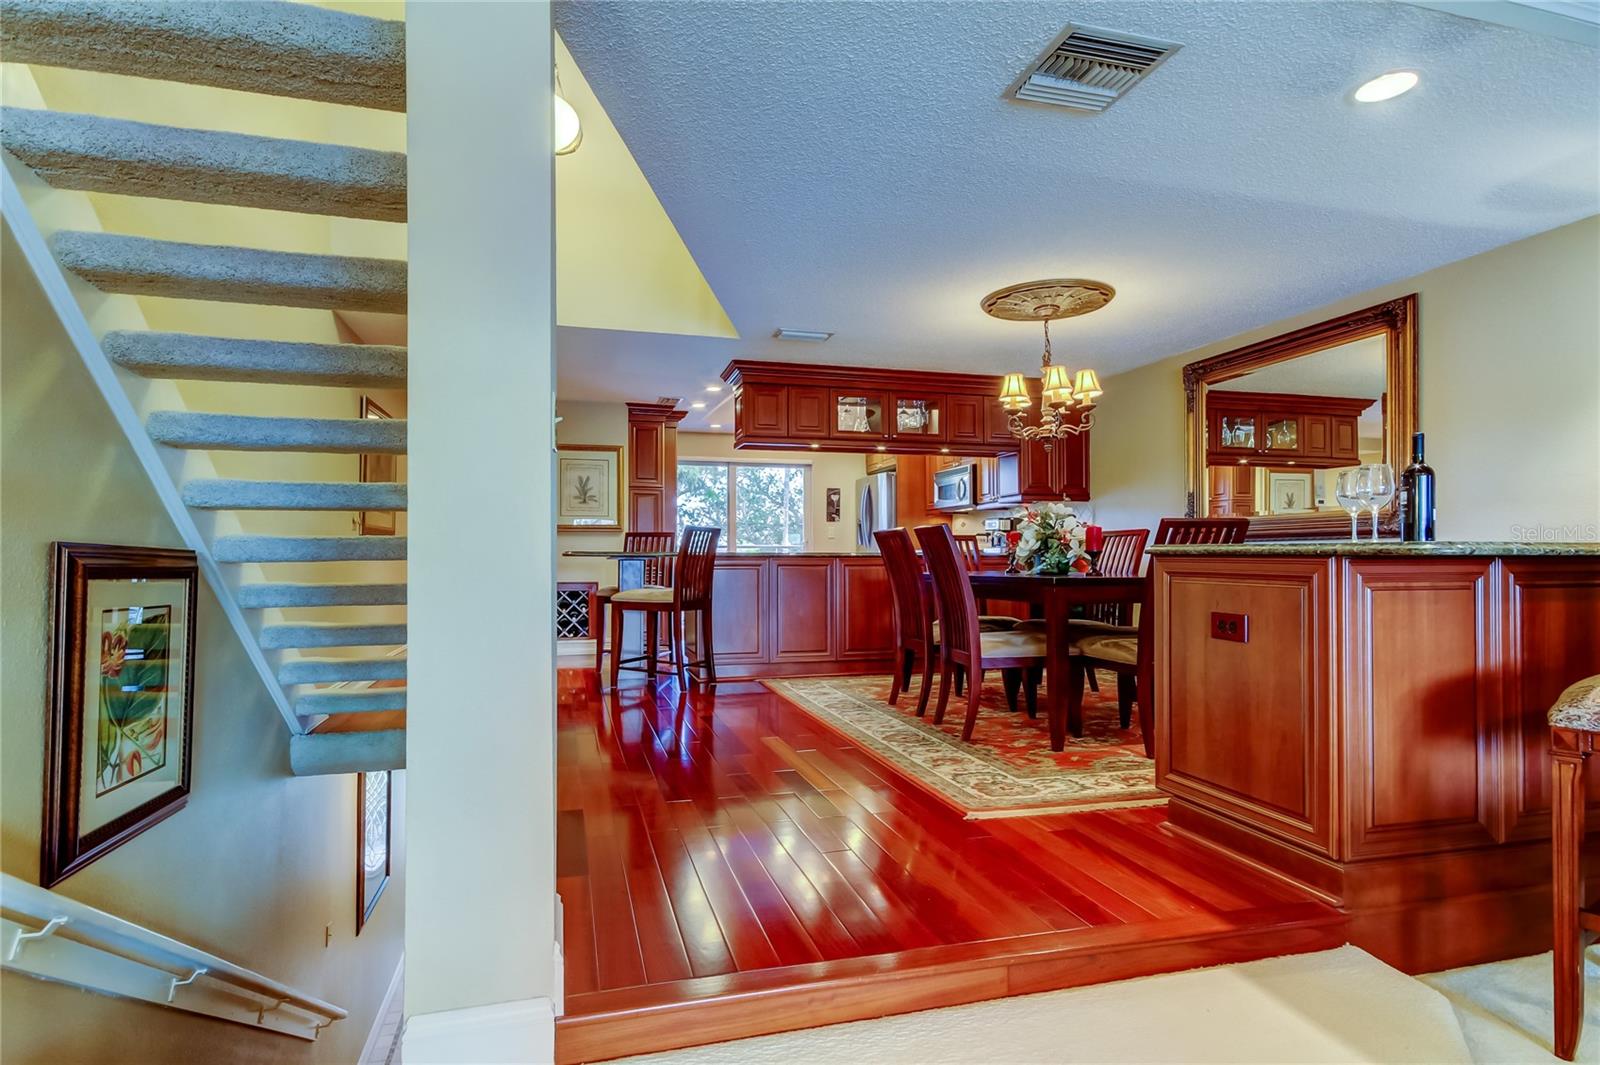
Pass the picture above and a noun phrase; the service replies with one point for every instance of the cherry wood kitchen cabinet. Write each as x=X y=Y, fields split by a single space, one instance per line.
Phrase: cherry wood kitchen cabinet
x=777 y=613
x=964 y=420
x=810 y=410
x=1271 y=429
x=763 y=409
x=1033 y=474
x=1372 y=726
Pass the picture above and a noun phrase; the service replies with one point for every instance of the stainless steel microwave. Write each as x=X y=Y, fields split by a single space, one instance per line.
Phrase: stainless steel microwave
x=955 y=487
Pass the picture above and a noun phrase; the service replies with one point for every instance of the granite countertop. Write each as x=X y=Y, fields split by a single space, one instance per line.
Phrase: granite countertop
x=1378 y=549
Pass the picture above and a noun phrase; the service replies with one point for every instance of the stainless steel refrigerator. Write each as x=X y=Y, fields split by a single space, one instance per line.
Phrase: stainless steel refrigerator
x=874 y=507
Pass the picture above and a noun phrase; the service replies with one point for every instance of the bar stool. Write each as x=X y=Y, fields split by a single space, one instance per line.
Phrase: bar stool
x=1574 y=725
x=657 y=574
x=691 y=590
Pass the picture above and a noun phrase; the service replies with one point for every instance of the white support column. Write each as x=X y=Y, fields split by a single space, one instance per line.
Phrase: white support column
x=480 y=823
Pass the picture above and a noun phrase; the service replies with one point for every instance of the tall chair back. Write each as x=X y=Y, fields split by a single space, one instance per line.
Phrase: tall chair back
x=657 y=571
x=1123 y=551
x=911 y=620
x=1201 y=531
x=957 y=606
x=696 y=565
x=971 y=557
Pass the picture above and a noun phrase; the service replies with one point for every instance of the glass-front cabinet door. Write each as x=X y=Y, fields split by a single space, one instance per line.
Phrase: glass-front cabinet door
x=1236 y=432
x=1282 y=433
x=859 y=414
x=918 y=417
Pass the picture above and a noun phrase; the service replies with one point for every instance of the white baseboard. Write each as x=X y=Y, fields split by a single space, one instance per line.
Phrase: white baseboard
x=575 y=647
x=383 y=1033
x=508 y=1033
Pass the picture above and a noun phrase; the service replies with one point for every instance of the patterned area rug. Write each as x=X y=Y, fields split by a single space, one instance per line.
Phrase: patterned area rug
x=1008 y=770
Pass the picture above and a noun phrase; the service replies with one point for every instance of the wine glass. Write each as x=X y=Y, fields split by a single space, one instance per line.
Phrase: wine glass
x=1351 y=492
x=1380 y=485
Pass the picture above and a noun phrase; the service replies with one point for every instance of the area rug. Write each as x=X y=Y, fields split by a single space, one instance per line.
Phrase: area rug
x=1008 y=770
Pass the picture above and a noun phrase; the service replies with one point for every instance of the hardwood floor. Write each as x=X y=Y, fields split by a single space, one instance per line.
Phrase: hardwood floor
x=729 y=867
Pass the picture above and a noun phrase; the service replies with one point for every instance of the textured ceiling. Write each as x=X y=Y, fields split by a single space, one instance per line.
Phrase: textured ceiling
x=852 y=167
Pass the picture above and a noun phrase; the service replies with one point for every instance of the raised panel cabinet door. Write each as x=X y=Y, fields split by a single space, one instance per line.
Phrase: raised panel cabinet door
x=866 y=624
x=647 y=509
x=1036 y=472
x=763 y=410
x=739 y=608
x=997 y=423
x=1070 y=458
x=1421 y=706
x=1244 y=728
x=1008 y=475
x=964 y=419
x=808 y=412
x=644 y=453
x=1317 y=438
x=1549 y=636
x=1345 y=437
x=802 y=609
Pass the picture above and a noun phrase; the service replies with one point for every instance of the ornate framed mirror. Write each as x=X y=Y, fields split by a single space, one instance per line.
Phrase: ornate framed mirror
x=1273 y=423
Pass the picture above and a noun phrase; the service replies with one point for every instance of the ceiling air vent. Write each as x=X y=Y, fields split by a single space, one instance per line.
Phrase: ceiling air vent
x=1089 y=69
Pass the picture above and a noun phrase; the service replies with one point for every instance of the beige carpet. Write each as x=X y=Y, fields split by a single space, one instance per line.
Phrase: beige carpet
x=1334 y=1006
x=1505 y=1008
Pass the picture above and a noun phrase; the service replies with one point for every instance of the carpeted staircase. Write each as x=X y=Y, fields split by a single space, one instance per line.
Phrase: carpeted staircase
x=283 y=49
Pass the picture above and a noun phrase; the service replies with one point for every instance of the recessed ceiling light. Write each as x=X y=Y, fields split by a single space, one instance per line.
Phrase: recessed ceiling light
x=713 y=388
x=1387 y=86
x=801 y=334
x=697 y=405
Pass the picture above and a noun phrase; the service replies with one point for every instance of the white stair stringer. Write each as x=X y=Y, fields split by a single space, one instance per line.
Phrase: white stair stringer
x=60 y=293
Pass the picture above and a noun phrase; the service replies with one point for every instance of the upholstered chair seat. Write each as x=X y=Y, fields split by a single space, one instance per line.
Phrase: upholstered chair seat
x=1578 y=707
x=1108 y=647
x=1012 y=644
x=644 y=595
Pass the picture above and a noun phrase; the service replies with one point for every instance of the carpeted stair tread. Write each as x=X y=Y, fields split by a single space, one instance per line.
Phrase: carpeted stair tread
x=141 y=266
x=278 y=48
x=350 y=701
x=244 y=432
x=289 y=594
x=93 y=154
x=336 y=670
x=309 y=548
x=186 y=356
x=294 y=495
x=320 y=753
x=330 y=634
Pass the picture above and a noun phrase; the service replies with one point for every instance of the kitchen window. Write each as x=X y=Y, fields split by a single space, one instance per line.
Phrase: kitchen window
x=755 y=506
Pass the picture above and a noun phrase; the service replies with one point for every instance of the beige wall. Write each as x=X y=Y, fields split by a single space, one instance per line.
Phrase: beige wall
x=592 y=423
x=259 y=861
x=1509 y=366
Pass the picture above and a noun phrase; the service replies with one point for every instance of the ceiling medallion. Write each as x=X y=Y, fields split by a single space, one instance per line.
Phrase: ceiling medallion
x=1060 y=390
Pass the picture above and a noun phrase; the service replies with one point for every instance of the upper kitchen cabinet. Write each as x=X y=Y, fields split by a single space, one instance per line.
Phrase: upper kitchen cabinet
x=852 y=408
x=1034 y=474
x=1276 y=429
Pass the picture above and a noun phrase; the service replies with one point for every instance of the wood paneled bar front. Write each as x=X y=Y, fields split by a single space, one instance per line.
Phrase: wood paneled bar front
x=1372 y=726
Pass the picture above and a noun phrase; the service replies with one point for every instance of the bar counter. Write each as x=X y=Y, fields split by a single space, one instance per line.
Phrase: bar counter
x=1368 y=720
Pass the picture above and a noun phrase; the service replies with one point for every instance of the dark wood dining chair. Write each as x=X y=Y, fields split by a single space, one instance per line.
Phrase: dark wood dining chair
x=1128 y=654
x=692 y=574
x=1201 y=531
x=962 y=642
x=913 y=615
x=1574 y=728
x=971 y=556
x=657 y=574
x=1121 y=557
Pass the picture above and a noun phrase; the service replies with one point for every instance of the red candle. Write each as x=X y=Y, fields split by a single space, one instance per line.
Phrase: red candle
x=1094 y=538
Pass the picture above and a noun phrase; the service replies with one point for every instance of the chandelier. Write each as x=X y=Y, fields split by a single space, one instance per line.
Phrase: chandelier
x=1066 y=399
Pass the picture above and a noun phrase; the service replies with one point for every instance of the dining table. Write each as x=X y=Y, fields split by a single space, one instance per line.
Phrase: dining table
x=1054 y=596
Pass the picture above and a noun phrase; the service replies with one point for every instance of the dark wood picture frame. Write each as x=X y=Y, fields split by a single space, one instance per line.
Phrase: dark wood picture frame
x=364 y=905
x=1396 y=321
x=62 y=849
x=376 y=522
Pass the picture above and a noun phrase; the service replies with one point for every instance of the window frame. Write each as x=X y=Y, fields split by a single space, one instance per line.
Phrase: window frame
x=731 y=542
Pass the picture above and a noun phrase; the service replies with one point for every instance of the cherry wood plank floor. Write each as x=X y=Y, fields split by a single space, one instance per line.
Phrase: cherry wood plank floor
x=717 y=849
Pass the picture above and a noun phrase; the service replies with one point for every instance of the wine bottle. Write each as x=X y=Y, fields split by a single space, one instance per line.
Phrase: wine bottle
x=1417 y=499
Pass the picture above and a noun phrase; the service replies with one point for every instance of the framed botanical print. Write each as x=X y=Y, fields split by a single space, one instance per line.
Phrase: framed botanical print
x=121 y=700
x=1290 y=493
x=376 y=467
x=589 y=486
x=374 y=792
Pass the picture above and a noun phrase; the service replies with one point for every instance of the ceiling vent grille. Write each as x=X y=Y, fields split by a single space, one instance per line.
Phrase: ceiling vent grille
x=1089 y=69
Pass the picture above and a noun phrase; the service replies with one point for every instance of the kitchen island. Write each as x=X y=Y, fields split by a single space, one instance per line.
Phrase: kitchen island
x=1368 y=720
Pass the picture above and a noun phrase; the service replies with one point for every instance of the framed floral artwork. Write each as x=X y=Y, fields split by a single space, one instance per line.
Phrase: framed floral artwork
x=588 y=486
x=121 y=698
x=374 y=795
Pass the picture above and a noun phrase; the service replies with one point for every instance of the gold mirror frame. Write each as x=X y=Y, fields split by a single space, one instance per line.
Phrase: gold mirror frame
x=1396 y=320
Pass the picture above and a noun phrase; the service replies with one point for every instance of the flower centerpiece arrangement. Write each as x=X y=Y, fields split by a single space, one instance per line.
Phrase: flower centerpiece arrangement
x=1048 y=538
